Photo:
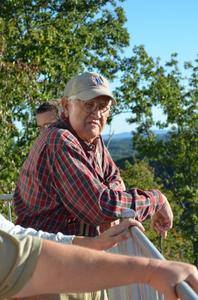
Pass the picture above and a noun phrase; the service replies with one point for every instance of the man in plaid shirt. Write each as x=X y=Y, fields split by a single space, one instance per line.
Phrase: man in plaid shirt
x=69 y=182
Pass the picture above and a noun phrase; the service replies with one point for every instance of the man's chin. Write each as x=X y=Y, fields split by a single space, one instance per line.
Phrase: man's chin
x=92 y=136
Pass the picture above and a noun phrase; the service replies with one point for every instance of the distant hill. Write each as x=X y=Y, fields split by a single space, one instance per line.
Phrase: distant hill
x=118 y=136
x=121 y=147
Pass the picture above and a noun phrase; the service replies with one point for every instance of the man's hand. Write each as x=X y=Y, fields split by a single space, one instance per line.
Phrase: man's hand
x=164 y=275
x=162 y=220
x=115 y=234
x=108 y=238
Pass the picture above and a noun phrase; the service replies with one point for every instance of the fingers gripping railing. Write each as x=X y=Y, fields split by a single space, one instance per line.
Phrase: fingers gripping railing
x=140 y=245
x=184 y=291
x=7 y=198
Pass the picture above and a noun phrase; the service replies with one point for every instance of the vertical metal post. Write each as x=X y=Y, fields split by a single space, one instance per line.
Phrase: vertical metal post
x=9 y=211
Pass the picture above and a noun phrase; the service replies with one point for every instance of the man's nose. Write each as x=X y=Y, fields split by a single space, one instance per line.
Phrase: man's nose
x=97 y=112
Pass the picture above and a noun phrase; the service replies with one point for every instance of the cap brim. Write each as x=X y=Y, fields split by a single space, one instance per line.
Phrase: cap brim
x=93 y=93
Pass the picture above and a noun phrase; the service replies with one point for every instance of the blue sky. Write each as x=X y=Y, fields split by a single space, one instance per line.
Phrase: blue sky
x=163 y=27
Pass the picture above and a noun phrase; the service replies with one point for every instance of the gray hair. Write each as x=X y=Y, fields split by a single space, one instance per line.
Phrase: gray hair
x=73 y=98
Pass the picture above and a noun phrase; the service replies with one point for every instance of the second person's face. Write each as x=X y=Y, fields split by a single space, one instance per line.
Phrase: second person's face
x=44 y=119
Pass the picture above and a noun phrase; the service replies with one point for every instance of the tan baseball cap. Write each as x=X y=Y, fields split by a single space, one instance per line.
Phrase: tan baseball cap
x=87 y=86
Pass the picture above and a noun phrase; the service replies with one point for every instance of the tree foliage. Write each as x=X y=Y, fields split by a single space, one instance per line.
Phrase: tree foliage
x=139 y=174
x=146 y=84
x=42 y=44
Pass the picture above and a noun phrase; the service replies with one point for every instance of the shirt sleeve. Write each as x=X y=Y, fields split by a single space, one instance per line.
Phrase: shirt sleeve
x=17 y=229
x=87 y=196
x=18 y=259
x=5 y=224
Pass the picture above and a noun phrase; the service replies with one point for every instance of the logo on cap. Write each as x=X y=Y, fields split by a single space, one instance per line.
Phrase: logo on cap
x=98 y=80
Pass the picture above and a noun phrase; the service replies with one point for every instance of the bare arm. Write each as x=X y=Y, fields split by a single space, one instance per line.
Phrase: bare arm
x=58 y=265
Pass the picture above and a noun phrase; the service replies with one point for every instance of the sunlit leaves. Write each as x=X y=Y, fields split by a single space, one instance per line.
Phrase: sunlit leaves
x=147 y=83
x=42 y=44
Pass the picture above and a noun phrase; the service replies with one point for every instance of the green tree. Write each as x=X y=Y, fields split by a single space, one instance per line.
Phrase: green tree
x=42 y=44
x=146 y=84
x=140 y=174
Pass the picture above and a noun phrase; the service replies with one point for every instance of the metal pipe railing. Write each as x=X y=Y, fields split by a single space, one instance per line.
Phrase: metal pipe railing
x=184 y=291
x=7 y=198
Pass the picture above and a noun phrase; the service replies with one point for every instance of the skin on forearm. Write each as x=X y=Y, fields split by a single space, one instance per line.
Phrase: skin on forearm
x=58 y=265
x=87 y=242
x=75 y=269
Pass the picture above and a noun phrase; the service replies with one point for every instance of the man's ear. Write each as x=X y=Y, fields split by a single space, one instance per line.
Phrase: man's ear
x=64 y=104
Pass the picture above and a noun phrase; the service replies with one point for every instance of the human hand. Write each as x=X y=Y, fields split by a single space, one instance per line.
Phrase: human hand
x=164 y=275
x=115 y=234
x=162 y=220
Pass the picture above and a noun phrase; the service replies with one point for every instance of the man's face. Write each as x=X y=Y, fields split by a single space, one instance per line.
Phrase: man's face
x=46 y=118
x=88 y=118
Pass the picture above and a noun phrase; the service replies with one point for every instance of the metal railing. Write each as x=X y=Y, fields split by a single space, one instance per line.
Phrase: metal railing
x=184 y=291
x=7 y=198
x=140 y=245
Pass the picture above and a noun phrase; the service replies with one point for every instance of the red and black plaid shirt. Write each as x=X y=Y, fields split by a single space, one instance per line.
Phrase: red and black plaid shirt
x=69 y=186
